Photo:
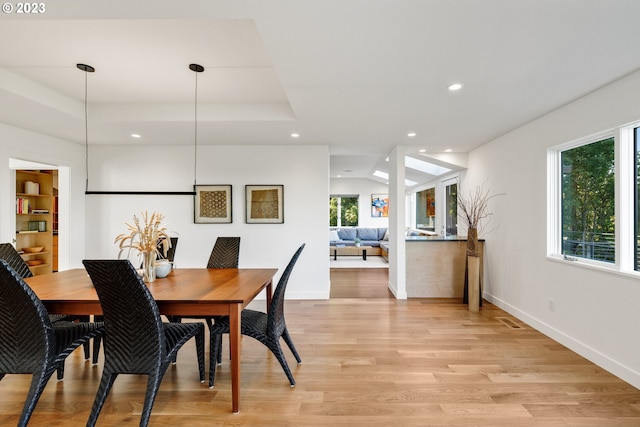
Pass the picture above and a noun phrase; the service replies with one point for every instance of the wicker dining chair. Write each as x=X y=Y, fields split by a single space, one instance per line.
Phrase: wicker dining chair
x=225 y=253
x=137 y=341
x=29 y=342
x=13 y=258
x=266 y=328
x=170 y=255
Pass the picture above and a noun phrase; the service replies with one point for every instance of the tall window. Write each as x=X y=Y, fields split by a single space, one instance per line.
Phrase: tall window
x=451 y=217
x=343 y=211
x=588 y=201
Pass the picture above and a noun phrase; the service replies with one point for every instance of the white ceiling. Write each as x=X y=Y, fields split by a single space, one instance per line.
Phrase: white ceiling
x=357 y=76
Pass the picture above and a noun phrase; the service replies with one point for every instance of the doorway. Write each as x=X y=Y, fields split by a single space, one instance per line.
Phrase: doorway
x=62 y=191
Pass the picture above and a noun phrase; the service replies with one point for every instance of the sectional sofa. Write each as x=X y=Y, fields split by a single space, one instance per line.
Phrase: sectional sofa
x=369 y=236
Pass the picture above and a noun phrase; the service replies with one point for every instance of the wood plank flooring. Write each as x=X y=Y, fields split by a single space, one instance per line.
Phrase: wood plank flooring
x=373 y=362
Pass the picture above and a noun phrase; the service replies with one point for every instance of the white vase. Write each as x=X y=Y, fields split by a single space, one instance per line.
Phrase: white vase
x=149 y=266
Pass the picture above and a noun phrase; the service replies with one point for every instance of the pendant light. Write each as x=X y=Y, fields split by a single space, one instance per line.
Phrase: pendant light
x=196 y=68
x=87 y=69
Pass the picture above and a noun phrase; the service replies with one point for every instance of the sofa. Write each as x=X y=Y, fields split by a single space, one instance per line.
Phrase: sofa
x=369 y=236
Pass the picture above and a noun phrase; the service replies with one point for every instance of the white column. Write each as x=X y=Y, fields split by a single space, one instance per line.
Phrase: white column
x=397 y=209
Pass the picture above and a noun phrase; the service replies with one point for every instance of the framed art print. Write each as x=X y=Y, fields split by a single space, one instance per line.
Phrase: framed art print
x=264 y=204
x=213 y=204
x=379 y=205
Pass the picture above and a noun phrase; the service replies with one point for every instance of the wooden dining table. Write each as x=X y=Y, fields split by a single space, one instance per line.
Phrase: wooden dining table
x=184 y=292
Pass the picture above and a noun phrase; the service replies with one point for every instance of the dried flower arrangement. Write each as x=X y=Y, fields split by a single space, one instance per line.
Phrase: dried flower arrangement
x=146 y=236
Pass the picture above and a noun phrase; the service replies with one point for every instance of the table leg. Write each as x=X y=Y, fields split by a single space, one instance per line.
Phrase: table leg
x=364 y=254
x=234 y=339
x=335 y=254
x=269 y=291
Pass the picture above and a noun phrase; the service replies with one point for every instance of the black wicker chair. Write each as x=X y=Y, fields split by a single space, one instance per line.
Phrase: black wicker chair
x=137 y=341
x=29 y=342
x=266 y=328
x=171 y=253
x=15 y=261
x=225 y=253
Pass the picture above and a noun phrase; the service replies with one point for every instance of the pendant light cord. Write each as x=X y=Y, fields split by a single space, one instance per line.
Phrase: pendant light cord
x=195 y=136
x=86 y=136
x=87 y=69
x=197 y=68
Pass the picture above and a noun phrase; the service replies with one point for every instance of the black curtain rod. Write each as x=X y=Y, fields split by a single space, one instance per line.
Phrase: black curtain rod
x=145 y=193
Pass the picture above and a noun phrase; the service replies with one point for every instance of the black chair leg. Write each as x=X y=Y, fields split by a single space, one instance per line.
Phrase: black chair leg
x=214 y=355
x=289 y=341
x=153 y=384
x=277 y=351
x=60 y=371
x=103 y=390
x=96 y=349
x=38 y=383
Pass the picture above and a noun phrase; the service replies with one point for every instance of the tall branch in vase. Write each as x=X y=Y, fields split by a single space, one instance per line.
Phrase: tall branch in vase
x=473 y=209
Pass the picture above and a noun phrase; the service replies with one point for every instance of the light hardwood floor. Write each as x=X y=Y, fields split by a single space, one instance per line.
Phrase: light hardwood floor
x=373 y=362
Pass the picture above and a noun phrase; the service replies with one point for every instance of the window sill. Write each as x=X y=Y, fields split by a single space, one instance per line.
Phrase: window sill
x=604 y=267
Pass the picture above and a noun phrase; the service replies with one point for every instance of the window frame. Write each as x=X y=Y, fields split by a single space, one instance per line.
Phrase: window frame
x=339 y=197
x=624 y=158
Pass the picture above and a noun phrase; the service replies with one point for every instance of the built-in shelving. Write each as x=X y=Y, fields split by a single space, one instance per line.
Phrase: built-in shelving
x=34 y=218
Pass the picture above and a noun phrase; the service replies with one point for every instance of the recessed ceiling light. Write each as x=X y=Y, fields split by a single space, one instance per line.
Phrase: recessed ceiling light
x=348 y=170
x=422 y=150
x=411 y=134
x=135 y=135
x=295 y=135
x=455 y=86
x=448 y=150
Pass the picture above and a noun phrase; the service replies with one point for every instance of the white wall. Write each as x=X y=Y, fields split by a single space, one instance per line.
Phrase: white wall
x=20 y=144
x=596 y=312
x=364 y=188
x=302 y=170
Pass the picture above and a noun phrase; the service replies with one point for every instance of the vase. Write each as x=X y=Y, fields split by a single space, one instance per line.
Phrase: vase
x=149 y=266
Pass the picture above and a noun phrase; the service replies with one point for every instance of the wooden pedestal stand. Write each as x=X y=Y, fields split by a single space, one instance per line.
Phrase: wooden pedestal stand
x=473 y=270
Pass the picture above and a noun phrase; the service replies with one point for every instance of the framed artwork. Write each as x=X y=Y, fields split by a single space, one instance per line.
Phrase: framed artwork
x=264 y=204
x=379 y=205
x=212 y=204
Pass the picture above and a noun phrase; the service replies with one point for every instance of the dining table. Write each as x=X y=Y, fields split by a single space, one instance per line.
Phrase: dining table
x=185 y=292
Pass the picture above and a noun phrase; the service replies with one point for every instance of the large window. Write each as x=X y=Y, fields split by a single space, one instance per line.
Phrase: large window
x=343 y=211
x=594 y=200
x=588 y=201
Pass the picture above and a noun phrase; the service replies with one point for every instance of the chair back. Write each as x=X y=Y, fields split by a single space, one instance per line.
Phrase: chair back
x=13 y=258
x=135 y=339
x=27 y=338
x=275 y=321
x=225 y=253
x=171 y=251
